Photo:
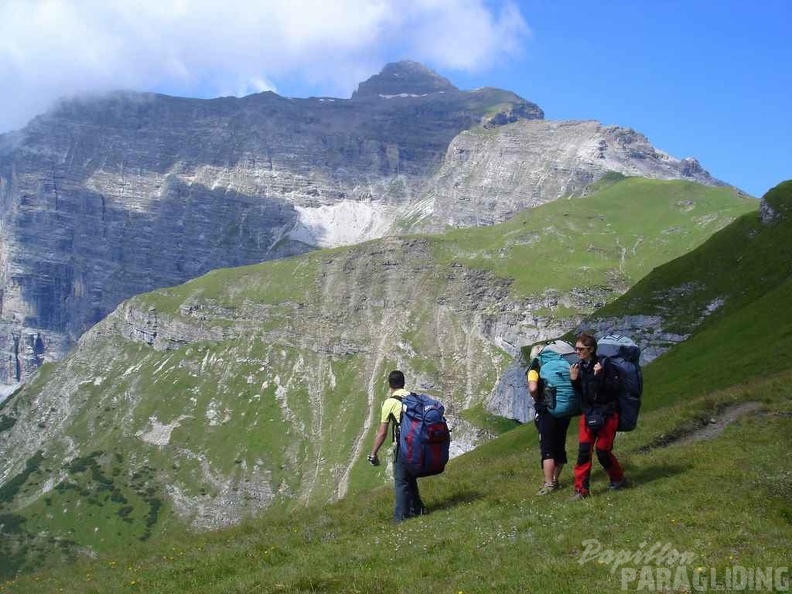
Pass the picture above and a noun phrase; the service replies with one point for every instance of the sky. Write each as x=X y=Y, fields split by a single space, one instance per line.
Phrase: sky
x=710 y=79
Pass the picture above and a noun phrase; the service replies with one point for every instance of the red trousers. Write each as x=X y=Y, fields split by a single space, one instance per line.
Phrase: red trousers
x=602 y=440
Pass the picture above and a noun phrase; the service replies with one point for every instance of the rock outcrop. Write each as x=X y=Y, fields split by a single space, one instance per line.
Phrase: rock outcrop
x=487 y=176
x=403 y=79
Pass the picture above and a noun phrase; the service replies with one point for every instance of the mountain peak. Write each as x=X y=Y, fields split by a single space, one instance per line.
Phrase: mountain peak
x=405 y=78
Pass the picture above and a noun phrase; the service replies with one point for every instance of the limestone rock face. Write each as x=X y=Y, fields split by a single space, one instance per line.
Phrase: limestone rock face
x=110 y=196
x=404 y=79
x=487 y=177
x=767 y=213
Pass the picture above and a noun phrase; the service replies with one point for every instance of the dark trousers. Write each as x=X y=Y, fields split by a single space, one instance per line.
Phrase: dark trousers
x=408 y=500
x=602 y=440
x=552 y=437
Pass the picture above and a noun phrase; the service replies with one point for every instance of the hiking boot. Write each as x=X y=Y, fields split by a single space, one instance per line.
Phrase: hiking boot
x=547 y=489
x=616 y=485
x=579 y=495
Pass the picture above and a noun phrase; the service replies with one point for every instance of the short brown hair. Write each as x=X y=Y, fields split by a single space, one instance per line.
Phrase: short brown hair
x=588 y=340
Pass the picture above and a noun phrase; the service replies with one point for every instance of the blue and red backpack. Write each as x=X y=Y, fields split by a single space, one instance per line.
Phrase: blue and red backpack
x=422 y=434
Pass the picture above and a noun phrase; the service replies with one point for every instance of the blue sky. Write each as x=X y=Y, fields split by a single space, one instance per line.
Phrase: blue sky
x=711 y=80
x=706 y=79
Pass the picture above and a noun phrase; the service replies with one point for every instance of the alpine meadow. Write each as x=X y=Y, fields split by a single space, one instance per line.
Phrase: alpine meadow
x=211 y=435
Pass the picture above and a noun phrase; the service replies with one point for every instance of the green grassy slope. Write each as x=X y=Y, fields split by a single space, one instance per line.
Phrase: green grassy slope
x=746 y=270
x=611 y=238
x=722 y=503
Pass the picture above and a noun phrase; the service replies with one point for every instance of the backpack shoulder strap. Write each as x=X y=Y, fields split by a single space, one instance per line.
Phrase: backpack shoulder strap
x=396 y=423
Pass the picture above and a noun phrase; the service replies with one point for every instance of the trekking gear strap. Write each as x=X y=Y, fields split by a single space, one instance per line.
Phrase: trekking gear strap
x=396 y=429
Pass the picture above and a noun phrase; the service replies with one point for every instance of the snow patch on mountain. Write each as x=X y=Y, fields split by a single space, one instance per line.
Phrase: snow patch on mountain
x=345 y=223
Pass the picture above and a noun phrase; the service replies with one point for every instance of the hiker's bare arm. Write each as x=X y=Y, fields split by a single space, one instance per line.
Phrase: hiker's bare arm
x=533 y=389
x=382 y=433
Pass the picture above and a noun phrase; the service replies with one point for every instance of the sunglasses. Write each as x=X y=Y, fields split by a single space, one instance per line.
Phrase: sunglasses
x=584 y=348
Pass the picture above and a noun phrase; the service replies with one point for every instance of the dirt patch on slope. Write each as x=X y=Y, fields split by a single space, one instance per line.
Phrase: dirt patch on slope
x=718 y=423
x=702 y=429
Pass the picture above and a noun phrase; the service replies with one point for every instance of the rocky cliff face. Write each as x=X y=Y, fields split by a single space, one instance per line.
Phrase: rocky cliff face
x=487 y=176
x=111 y=196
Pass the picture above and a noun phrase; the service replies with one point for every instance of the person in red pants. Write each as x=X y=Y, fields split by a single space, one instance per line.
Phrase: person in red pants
x=598 y=383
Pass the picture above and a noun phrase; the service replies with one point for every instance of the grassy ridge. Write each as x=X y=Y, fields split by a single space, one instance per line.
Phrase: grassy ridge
x=611 y=238
x=751 y=343
x=737 y=265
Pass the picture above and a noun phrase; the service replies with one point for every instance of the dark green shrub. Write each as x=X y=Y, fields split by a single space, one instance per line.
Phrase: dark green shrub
x=6 y=422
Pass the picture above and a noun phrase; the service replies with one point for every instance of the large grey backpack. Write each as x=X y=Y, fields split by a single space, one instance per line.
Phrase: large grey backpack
x=625 y=354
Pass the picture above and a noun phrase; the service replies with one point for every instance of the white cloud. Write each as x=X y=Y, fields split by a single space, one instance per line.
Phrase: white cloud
x=465 y=34
x=207 y=48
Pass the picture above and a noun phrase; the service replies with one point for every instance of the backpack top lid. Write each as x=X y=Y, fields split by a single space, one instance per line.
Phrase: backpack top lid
x=616 y=345
x=556 y=349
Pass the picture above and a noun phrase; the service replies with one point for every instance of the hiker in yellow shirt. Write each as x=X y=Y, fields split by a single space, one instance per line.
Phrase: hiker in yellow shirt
x=408 y=500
